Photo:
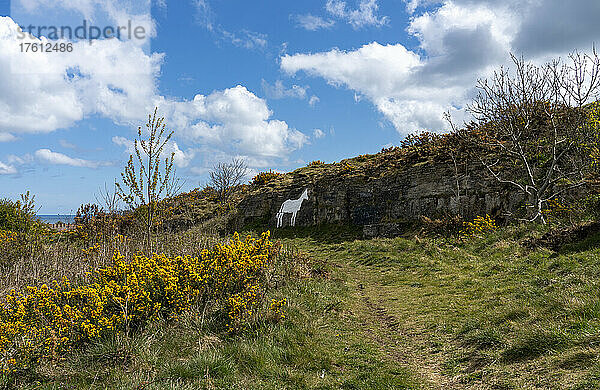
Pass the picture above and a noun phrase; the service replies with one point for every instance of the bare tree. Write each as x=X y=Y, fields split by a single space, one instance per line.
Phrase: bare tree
x=109 y=199
x=533 y=126
x=144 y=181
x=226 y=176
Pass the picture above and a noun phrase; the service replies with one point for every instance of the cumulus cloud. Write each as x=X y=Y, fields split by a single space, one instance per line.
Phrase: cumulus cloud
x=364 y=15
x=387 y=75
x=49 y=157
x=460 y=41
x=234 y=120
x=181 y=159
x=45 y=92
x=117 y=80
x=7 y=137
x=313 y=23
x=313 y=100
x=100 y=12
x=557 y=26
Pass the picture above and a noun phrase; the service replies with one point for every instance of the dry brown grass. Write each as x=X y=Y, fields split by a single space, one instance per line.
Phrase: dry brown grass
x=42 y=261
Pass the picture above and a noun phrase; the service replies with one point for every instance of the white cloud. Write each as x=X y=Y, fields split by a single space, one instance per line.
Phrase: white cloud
x=66 y=144
x=102 y=13
x=16 y=160
x=313 y=23
x=7 y=137
x=247 y=39
x=279 y=91
x=364 y=15
x=124 y=142
x=6 y=169
x=204 y=14
x=234 y=120
x=460 y=41
x=181 y=159
x=373 y=69
x=117 y=80
x=45 y=92
x=54 y=158
x=387 y=76
x=318 y=133
x=313 y=100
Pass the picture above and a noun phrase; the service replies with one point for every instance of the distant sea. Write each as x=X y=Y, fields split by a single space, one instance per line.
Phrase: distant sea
x=65 y=218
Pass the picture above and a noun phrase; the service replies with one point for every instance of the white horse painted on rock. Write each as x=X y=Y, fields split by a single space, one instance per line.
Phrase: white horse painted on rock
x=291 y=206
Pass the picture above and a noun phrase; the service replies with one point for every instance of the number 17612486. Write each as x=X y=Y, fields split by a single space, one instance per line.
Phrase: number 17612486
x=27 y=47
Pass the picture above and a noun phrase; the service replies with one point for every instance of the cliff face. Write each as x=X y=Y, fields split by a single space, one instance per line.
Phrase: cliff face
x=375 y=190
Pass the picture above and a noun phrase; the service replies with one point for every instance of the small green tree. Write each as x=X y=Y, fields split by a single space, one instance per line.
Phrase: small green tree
x=18 y=216
x=145 y=182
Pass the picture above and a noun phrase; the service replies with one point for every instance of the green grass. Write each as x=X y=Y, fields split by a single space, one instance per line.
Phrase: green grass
x=485 y=313
x=317 y=346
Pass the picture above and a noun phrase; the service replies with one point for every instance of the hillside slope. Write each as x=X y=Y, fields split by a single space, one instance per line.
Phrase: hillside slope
x=391 y=187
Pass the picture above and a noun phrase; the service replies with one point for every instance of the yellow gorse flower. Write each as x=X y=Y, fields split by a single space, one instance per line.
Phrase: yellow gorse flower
x=47 y=321
x=479 y=226
x=277 y=307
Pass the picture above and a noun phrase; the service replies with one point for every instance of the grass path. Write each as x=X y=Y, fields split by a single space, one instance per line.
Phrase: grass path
x=404 y=342
x=485 y=314
x=402 y=338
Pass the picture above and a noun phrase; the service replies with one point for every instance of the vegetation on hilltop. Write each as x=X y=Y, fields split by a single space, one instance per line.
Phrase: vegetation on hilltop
x=166 y=295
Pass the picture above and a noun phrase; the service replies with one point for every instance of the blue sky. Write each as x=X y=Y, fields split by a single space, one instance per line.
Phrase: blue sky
x=278 y=83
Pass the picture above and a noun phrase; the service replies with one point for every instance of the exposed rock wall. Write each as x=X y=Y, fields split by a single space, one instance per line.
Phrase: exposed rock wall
x=372 y=194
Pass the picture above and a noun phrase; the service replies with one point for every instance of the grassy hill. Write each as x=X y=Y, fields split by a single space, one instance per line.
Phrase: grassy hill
x=486 y=312
x=323 y=308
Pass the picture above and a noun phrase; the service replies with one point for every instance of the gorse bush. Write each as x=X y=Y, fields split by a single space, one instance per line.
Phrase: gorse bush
x=346 y=167
x=557 y=211
x=479 y=226
x=44 y=323
x=265 y=177
x=93 y=224
x=315 y=163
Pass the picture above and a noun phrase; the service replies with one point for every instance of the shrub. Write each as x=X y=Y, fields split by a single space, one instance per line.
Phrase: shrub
x=315 y=163
x=479 y=226
x=94 y=224
x=208 y=192
x=18 y=216
x=21 y=232
x=265 y=177
x=276 y=308
x=444 y=226
x=45 y=323
x=556 y=211
x=346 y=167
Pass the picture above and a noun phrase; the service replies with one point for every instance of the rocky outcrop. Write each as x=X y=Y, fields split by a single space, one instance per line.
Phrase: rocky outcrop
x=372 y=191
